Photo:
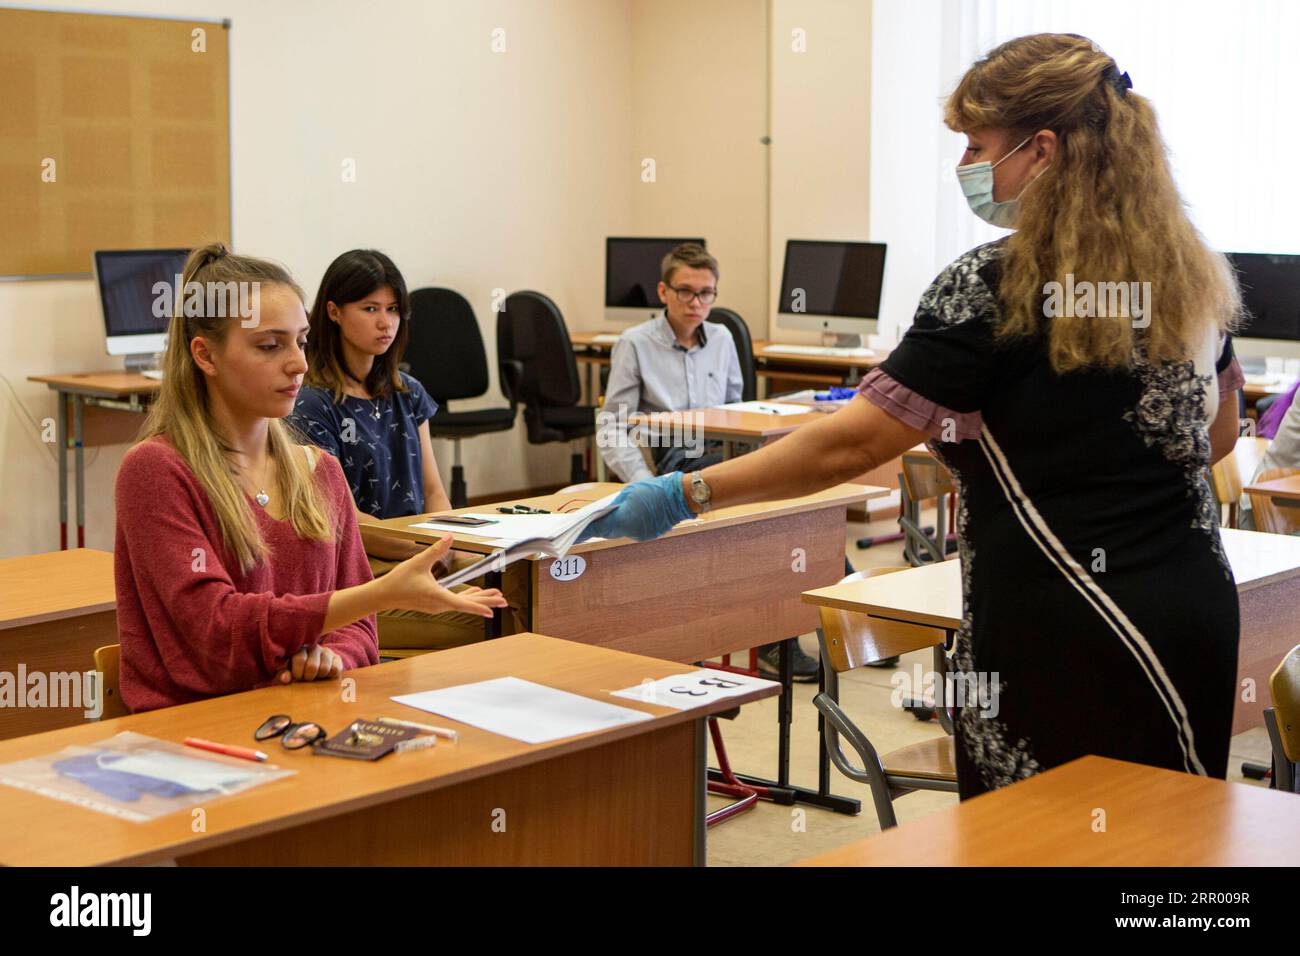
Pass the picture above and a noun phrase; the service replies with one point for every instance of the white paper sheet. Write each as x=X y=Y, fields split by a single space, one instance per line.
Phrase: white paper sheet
x=522 y=710
x=694 y=689
x=767 y=408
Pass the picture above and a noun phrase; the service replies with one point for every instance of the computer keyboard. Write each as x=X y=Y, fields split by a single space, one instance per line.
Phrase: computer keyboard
x=817 y=350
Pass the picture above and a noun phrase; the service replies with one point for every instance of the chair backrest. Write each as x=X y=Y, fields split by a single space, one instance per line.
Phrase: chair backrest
x=107 y=659
x=1268 y=516
x=531 y=331
x=924 y=477
x=1231 y=473
x=852 y=639
x=744 y=349
x=1284 y=684
x=445 y=347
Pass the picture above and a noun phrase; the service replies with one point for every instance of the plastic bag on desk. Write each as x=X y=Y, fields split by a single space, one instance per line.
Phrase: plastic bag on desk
x=135 y=777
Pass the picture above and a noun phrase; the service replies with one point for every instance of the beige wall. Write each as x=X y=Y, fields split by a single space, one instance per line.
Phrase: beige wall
x=699 y=91
x=482 y=170
x=821 y=129
x=476 y=170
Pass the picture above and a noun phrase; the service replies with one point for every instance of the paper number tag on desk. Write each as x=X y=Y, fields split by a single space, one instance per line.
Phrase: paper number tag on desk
x=694 y=689
x=567 y=569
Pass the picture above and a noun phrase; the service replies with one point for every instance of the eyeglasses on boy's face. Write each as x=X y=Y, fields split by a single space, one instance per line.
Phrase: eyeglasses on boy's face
x=685 y=295
x=293 y=736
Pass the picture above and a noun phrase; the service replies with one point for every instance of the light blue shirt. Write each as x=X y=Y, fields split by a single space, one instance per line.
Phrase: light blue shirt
x=650 y=371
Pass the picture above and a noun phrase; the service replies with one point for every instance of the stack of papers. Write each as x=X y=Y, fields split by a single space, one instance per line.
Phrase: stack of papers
x=521 y=536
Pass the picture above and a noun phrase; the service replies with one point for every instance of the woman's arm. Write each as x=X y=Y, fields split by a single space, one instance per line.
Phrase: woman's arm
x=840 y=447
x=408 y=587
x=1225 y=428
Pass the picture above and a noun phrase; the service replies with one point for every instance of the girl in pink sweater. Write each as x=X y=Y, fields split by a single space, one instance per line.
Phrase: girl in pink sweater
x=238 y=561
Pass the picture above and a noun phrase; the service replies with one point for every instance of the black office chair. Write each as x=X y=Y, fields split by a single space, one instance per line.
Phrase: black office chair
x=744 y=349
x=445 y=352
x=538 y=370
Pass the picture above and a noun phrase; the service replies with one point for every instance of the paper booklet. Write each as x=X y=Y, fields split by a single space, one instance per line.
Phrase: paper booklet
x=522 y=536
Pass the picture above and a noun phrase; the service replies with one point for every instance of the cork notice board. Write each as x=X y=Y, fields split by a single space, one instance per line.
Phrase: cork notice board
x=114 y=134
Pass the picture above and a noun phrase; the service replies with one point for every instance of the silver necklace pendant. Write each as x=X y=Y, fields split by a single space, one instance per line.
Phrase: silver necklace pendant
x=376 y=414
x=262 y=498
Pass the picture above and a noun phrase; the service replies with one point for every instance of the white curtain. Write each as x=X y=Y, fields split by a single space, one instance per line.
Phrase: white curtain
x=1223 y=77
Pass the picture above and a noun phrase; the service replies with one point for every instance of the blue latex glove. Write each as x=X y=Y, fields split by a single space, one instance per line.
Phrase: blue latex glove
x=644 y=510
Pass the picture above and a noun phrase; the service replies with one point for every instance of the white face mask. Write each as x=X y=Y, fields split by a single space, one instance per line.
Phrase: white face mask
x=977 y=183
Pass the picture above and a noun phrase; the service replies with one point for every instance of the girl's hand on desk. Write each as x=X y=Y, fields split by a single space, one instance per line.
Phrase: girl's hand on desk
x=411 y=586
x=312 y=663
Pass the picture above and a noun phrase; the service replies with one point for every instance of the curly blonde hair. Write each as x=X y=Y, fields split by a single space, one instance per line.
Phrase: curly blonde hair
x=1106 y=210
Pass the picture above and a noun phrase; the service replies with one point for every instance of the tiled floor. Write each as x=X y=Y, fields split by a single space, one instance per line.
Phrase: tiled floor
x=772 y=835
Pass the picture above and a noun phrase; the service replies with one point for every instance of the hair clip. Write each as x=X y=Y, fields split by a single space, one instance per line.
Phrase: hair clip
x=1122 y=83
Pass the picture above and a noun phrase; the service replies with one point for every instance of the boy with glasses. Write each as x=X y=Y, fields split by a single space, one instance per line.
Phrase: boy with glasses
x=673 y=363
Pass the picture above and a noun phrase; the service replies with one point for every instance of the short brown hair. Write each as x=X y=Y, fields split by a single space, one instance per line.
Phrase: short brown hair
x=691 y=255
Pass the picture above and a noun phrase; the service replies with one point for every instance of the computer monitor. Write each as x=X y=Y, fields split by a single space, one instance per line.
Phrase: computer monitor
x=1270 y=292
x=632 y=276
x=832 y=287
x=127 y=292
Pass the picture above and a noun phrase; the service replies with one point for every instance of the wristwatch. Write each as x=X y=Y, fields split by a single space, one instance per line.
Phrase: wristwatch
x=700 y=492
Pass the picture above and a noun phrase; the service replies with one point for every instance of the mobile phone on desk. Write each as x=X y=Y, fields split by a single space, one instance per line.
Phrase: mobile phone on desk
x=464 y=520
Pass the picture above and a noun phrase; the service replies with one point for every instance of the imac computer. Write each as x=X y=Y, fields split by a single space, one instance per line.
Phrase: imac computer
x=632 y=276
x=833 y=288
x=1270 y=294
x=128 y=293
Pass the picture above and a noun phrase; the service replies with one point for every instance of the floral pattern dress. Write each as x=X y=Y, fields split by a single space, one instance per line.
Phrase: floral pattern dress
x=1099 y=611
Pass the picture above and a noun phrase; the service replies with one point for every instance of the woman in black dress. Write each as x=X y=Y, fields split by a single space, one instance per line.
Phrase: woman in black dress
x=1077 y=379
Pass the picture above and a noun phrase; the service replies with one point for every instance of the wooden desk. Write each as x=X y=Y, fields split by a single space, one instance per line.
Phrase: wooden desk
x=633 y=795
x=720 y=584
x=814 y=369
x=1285 y=492
x=723 y=583
x=726 y=425
x=1154 y=817
x=1266 y=568
x=55 y=609
x=98 y=408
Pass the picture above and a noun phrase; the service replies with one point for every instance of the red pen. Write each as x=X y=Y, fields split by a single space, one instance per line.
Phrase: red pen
x=242 y=752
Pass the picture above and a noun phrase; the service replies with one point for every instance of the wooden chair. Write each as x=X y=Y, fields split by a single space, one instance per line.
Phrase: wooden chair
x=1268 y=516
x=850 y=640
x=1234 y=472
x=923 y=478
x=107 y=659
x=1283 y=721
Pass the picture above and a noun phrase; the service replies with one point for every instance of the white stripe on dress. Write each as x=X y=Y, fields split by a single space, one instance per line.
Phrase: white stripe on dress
x=1083 y=582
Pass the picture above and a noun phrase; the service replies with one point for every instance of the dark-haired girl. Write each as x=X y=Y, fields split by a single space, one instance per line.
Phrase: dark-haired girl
x=358 y=405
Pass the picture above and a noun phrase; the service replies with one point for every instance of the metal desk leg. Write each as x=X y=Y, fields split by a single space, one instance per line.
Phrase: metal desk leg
x=781 y=791
x=784 y=712
x=823 y=757
x=61 y=436
x=78 y=406
x=701 y=787
x=492 y=625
